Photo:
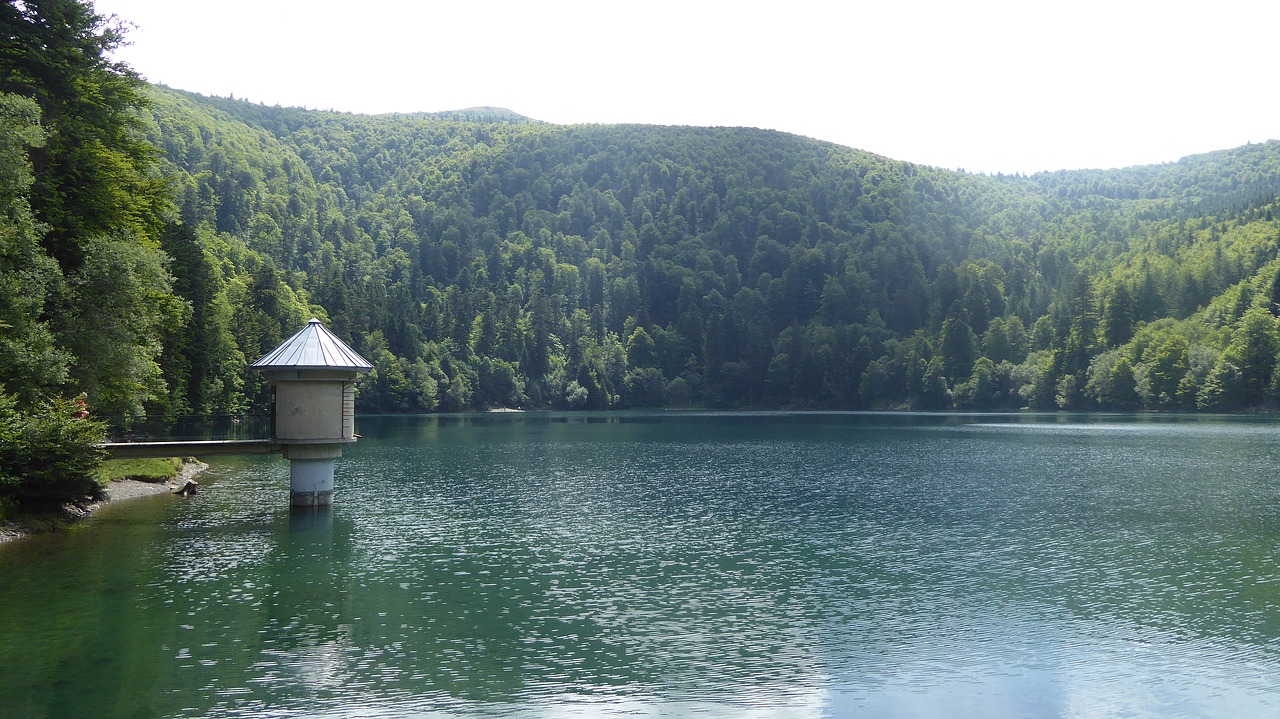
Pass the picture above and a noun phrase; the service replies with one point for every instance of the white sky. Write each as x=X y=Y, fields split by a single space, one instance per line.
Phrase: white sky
x=985 y=85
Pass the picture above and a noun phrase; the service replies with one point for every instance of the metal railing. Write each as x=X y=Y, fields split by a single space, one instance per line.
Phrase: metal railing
x=151 y=428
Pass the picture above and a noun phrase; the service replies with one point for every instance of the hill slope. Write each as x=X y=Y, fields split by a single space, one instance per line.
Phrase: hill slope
x=483 y=263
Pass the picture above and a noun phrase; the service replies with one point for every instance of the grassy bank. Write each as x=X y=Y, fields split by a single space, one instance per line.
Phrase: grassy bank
x=119 y=473
x=142 y=470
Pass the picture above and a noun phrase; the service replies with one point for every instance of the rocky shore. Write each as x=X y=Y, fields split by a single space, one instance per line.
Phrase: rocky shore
x=132 y=488
x=117 y=491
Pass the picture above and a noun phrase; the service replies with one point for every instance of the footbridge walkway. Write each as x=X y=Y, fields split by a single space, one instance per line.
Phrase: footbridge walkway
x=140 y=437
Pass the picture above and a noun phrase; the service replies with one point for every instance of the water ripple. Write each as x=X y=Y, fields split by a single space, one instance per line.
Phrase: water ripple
x=724 y=566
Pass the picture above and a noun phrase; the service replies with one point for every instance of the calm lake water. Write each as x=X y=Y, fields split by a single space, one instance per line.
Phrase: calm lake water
x=680 y=564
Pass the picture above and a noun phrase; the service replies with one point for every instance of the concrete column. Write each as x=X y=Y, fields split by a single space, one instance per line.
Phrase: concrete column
x=311 y=473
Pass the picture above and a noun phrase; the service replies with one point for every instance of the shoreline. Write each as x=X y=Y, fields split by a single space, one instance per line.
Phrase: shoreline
x=121 y=490
x=126 y=489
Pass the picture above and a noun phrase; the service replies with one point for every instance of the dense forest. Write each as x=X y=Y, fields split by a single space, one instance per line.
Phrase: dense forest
x=154 y=242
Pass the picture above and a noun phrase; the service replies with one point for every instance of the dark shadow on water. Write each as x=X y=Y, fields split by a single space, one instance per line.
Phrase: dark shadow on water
x=312 y=520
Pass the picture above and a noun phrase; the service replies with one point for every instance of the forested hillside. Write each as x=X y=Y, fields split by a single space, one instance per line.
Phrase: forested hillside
x=480 y=258
x=522 y=264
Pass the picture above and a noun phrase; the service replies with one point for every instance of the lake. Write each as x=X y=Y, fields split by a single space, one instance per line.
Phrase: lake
x=680 y=564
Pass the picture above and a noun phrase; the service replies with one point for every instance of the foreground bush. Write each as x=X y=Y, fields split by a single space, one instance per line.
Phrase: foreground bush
x=49 y=455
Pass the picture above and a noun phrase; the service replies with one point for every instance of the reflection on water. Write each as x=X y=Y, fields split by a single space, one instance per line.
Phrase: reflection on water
x=770 y=565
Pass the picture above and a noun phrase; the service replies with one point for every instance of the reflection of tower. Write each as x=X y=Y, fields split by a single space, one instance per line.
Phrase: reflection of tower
x=315 y=521
x=312 y=379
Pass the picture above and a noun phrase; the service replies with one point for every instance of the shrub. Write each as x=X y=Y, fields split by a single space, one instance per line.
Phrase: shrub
x=8 y=508
x=50 y=454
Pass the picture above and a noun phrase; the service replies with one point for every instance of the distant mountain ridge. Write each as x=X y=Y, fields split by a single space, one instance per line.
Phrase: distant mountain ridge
x=479 y=114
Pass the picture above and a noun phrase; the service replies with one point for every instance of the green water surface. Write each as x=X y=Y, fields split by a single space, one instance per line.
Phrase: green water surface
x=680 y=564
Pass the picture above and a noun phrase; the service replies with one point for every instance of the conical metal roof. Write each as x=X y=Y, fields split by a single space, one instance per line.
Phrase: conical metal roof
x=313 y=347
